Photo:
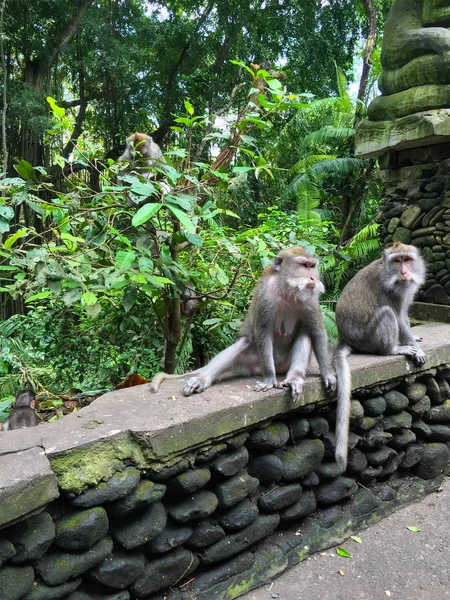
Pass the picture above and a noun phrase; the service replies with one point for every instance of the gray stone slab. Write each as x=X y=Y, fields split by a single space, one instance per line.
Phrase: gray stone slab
x=145 y=428
x=27 y=483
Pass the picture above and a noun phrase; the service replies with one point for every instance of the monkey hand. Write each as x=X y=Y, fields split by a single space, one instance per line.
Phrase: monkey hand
x=417 y=338
x=419 y=357
x=329 y=382
x=195 y=385
x=267 y=384
x=296 y=385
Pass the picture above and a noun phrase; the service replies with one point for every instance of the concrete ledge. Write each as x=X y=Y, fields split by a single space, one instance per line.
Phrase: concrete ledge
x=136 y=426
x=27 y=484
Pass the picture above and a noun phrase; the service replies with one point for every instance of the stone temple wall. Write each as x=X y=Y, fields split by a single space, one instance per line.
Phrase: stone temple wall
x=416 y=210
x=201 y=516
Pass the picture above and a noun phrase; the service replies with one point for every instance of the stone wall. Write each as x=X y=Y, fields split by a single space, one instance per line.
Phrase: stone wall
x=416 y=210
x=195 y=514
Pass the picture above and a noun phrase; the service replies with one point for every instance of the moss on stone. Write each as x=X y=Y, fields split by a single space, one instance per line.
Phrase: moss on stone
x=78 y=468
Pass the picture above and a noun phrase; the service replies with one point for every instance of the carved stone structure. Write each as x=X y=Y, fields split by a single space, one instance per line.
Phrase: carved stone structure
x=156 y=496
x=409 y=130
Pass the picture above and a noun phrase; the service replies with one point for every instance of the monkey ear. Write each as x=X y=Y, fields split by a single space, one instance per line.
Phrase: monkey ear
x=277 y=262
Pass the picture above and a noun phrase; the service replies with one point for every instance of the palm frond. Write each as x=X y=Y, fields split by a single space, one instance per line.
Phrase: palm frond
x=328 y=134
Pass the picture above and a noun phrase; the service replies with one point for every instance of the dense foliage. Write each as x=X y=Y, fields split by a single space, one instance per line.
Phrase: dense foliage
x=99 y=265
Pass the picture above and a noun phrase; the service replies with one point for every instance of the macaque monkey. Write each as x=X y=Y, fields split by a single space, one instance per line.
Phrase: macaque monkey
x=372 y=318
x=22 y=414
x=143 y=154
x=283 y=323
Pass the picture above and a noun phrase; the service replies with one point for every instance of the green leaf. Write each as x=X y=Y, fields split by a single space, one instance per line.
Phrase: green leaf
x=356 y=539
x=4 y=225
x=25 y=170
x=125 y=258
x=89 y=298
x=93 y=310
x=129 y=298
x=14 y=237
x=6 y=212
x=343 y=552
x=58 y=111
x=194 y=239
x=182 y=217
x=145 y=213
x=72 y=296
x=212 y=321
x=38 y=297
x=188 y=106
x=414 y=529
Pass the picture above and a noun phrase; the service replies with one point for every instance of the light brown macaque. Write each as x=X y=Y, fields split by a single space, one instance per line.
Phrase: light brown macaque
x=143 y=154
x=22 y=414
x=282 y=326
x=372 y=318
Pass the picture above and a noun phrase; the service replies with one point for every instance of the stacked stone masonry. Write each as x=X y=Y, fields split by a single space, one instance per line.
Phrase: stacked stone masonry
x=239 y=511
x=416 y=210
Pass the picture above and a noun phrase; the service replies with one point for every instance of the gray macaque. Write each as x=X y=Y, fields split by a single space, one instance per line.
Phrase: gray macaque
x=143 y=154
x=372 y=318
x=22 y=414
x=282 y=325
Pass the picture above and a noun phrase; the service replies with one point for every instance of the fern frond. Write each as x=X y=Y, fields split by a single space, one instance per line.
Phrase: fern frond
x=328 y=134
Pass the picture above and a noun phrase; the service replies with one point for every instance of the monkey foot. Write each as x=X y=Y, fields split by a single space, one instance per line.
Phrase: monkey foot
x=195 y=385
x=267 y=384
x=415 y=353
x=296 y=385
x=330 y=383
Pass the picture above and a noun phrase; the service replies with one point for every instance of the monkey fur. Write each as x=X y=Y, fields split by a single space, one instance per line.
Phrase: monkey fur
x=372 y=317
x=22 y=414
x=282 y=326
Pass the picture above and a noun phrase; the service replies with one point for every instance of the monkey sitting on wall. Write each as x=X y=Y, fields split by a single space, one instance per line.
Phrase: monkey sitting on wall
x=22 y=414
x=282 y=325
x=372 y=318
x=143 y=154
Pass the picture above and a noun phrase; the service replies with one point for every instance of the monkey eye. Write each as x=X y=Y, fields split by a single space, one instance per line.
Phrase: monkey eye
x=407 y=259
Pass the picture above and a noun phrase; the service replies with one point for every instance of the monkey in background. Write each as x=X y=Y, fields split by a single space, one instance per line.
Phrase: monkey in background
x=143 y=154
x=22 y=414
x=372 y=318
x=282 y=326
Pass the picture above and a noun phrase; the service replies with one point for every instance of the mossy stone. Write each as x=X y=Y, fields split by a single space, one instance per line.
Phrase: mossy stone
x=375 y=438
x=198 y=506
x=299 y=428
x=402 y=438
x=266 y=468
x=119 y=570
x=15 y=582
x=280 y=497
x=413 y=454
x=171 y=537
x=415 y=392
x=272 y=437
x=234 y=543
x=82 y=529
x=328 y=470
x=120 y=485
x=7 y=550
x=190 y=481
x=304 y=506
x=161 y=573
x=421 y=407
x=380 y=456
x=235 y=489
x=338 y=489
x=438 y=414
x=206 y=532
x=239 y=516
x=230 y=464
x=301 y=459
x=374 y=406
x=434 y=461
x=319 y=427
x=402 y=420
x=439 y=433
x=141 y=528
x=57 y=567
x=395 y=402
x=40 y=591
x=145 y=493
x=32 y=537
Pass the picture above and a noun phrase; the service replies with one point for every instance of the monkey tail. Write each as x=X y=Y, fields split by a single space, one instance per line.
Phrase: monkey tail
x=344 y=388
x=157 y=380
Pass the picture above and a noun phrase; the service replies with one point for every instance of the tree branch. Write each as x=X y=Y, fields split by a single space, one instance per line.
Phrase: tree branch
x=368 y=49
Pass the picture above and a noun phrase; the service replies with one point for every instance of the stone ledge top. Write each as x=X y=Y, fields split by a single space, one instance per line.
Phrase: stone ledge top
x=167 y=423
